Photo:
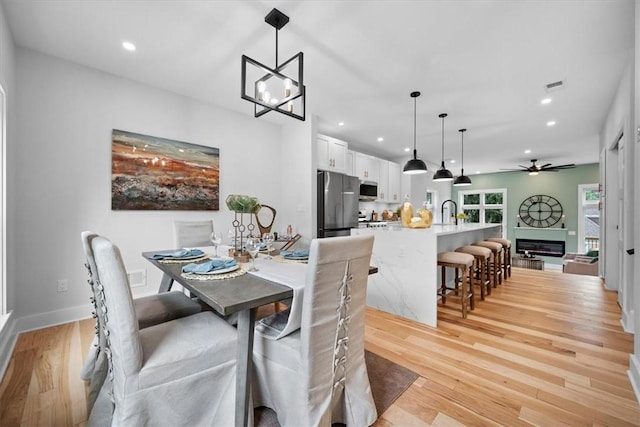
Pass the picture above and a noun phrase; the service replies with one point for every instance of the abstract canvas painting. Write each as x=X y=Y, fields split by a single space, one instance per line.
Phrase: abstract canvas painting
x=150 y=173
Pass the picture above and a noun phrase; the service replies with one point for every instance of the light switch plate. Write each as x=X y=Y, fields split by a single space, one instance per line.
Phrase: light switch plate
x=572 y=233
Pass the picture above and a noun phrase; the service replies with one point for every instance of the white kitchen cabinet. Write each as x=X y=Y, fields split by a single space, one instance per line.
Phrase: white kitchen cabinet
x=350 y=166
x=388 y=182
x=383 y=180
x=332 y=154
x=367 y=167
x=394 y=183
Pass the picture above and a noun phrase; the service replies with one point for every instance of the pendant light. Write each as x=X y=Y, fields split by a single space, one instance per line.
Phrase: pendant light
x=443 y=174
x=278 y=89
x=415 y=166
x=462 y=180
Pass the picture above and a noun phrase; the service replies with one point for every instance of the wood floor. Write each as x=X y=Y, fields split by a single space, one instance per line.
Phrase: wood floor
x=544 y=349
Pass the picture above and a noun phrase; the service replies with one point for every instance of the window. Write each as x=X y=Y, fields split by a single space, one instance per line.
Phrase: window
x=484 y=206
x=589 y=219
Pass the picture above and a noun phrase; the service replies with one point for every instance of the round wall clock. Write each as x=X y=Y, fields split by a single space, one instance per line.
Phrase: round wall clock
x=540 y=211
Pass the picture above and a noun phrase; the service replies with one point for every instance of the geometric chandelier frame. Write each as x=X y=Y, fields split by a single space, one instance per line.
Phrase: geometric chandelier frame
x=280 y=88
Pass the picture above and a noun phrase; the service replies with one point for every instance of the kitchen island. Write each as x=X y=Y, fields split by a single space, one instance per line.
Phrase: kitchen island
x=408 y=277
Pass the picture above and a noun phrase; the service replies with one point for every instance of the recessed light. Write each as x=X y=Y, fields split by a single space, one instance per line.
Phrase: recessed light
x=406 y=150
x=477 y=172
x=340 y=123
x=452 y=161
x=129 y=46
x=551 y=123
x=527 y=151
x=380 y=139
x=546 y=101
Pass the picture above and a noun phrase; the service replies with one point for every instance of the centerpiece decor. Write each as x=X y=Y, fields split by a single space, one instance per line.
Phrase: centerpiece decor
x=243 y=228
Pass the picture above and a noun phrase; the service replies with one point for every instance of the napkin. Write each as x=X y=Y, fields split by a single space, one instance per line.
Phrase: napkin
x=182 y=253
x=295 y=254
x=209 y=266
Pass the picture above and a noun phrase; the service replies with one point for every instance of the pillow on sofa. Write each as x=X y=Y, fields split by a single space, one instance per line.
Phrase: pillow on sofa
x=593 y=253
x=593 y=261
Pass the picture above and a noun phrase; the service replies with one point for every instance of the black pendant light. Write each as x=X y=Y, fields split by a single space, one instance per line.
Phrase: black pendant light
x=443 y=174
x=415 y=166
x=462 y=180
x=278 y=89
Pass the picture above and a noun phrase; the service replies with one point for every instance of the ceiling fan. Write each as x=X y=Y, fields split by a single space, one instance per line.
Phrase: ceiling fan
x=534 y=168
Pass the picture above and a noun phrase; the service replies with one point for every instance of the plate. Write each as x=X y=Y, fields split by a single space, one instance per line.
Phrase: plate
x=184 y=257
x=296 y=258
x=223 y=270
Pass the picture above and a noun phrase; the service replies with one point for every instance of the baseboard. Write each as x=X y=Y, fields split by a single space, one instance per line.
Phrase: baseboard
x=7 y=341
x=634 y=374
x=626 y=320
x=52 y=318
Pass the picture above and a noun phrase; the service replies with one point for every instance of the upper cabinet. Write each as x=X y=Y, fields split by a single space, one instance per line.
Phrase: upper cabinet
x=332 y=154
x=389 y=182
x=367 y=167
x=350 y=167
x=394 y=183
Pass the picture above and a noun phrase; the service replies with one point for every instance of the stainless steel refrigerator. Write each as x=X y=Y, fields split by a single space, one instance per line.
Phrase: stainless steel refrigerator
x=337 y=204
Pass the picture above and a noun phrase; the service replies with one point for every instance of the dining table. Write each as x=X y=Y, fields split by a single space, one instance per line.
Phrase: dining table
x=243 y=294
x=276 y=279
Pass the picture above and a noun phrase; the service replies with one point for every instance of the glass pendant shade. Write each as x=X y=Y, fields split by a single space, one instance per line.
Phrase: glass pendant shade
x=443 y=174
x=414 y=166
x=462 y=180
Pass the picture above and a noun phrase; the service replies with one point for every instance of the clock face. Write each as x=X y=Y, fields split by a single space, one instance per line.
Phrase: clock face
x=540 y=211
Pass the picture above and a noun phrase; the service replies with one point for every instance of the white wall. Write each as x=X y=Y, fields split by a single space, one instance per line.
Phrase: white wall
x=7 y=80
x=62 y=175
x=621 y=119
x=634 y=359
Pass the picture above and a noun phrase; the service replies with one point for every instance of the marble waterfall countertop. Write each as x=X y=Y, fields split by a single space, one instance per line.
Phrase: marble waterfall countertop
x=407 y=280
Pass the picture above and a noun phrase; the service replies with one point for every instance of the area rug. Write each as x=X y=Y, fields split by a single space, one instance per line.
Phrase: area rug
x=388 y=381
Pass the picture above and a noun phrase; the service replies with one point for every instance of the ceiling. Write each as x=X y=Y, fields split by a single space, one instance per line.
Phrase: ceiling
x=485 y=63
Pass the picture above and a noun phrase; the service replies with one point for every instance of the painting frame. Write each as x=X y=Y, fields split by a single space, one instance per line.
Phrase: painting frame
x=154 y=173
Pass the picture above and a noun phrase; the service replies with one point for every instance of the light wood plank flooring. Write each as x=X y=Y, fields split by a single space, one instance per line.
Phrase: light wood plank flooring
x=544 y=349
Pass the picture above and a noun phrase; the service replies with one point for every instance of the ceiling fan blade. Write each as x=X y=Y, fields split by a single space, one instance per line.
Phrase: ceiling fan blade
x=567 y=166
x=545 y=166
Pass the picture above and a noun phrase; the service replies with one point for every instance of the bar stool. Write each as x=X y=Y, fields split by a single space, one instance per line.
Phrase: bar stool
x=481 y=256
x=496 y=251
x=458 y=261
x=506 y=256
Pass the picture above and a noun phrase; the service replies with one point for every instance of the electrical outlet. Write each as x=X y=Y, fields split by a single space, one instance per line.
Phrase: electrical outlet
x=63 y=285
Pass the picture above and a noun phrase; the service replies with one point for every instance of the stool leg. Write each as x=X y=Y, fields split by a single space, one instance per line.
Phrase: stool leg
x=471 y=294
x=455 y=281
x=443 y=286
x=478 y=274
x=486 y=277
x=465 y=296
x=509 y=261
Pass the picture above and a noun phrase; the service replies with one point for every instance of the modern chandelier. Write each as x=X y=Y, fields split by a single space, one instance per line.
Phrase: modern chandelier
x=278 y=89
x=443 y=174
x=462 y=180
x=415 y=166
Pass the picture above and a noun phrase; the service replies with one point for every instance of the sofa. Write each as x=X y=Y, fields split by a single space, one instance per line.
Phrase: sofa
x=586 y=264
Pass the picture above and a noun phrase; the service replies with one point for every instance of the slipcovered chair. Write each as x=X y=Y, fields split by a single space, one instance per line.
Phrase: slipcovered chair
x=317 y=375
x=150 y=310
x=180 y=372
x=189 y=234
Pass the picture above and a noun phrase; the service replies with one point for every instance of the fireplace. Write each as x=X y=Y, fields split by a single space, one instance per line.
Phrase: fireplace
x=553 y=248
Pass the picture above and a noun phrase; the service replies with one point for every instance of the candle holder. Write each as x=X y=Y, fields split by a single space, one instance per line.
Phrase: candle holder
x=243 y=228
x=518 y=220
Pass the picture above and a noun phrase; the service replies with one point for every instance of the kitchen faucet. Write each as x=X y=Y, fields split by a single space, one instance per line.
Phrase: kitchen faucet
x=455 y=211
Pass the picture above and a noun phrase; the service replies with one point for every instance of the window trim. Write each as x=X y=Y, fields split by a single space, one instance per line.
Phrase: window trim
x=482 y=206
x=582 y=204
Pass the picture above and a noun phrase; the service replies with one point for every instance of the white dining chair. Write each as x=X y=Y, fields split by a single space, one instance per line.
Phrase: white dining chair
x=189 y=234
x=180 y=372
x=317 y=375
x=150 y=310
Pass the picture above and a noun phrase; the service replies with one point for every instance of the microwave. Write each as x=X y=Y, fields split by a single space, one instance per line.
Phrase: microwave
x=368 y=191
